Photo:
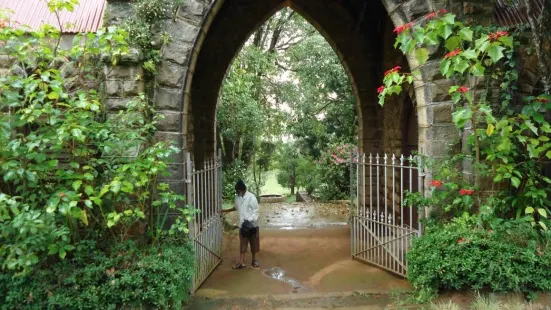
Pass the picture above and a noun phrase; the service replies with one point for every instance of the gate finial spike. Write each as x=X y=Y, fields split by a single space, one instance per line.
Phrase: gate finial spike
x=370 y=158
x=385 y=159
x=393 y=159
x=402 y=160
x=377 y=158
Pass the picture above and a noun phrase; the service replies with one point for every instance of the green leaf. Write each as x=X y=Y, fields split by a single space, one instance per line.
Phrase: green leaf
x=461 y=66
x=530 y=125
x=495 y=52
x=507 y=41
x=477 y=69
x=76 y=184
x=466 y=34
x=469 y=54
x=115 y=186
x=452 y=43
x=529 y=210
x=52 y=203
x=490 y=129
x=542 y=224
x=422 y=55
x=461 y=116
x=542 y=212
x=445 y=67
x=515 y=182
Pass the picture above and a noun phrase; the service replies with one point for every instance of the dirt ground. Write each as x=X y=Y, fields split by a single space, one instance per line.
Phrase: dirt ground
x=309 y=243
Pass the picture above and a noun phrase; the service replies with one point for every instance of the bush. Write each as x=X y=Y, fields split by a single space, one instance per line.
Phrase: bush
x=124 y=276
x=334 y=173
x=509 y=256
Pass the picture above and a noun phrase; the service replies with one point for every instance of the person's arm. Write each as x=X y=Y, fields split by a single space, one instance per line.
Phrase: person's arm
x=253 y=208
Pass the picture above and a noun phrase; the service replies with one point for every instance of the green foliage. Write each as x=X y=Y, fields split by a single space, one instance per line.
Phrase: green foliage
x=124 y=276
x=278 y=87
x=334 y=172
x=70 y=171
x=295 y=170
x=508 y=143
x=144 y=28
x=463 y=254
x=233 y=171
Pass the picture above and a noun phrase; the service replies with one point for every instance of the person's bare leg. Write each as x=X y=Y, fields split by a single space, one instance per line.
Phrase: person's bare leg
x=242 y=258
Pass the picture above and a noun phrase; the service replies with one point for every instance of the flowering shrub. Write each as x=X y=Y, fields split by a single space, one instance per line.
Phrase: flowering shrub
x=476 y=239
x=508 y=144
x=334 y=172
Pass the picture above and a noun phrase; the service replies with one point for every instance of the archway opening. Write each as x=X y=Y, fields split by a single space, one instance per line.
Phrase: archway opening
x=360 y=33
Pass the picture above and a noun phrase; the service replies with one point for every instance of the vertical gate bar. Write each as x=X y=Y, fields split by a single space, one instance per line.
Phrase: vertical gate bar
x=401 y=205
x=363 y=233
x=377 y=229
x=420 y=176
x=385 y=218
x=351 y=206
x=393 y=214
x=410 y=190
x=188 y=187
x=212 y=204
x=219 y=193
x=371 y=224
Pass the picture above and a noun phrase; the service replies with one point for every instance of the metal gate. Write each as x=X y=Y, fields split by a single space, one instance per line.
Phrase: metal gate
x=382 y=226
x=204 y=192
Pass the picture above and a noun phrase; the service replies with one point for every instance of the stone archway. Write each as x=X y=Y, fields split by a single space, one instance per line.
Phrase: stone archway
x=207 y=35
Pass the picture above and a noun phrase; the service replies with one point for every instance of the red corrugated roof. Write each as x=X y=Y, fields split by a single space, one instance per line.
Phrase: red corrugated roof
x=86 y=17
x=513 y=12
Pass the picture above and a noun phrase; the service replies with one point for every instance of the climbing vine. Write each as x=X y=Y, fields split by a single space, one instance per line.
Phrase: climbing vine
x=145 y=29
x=506 y=142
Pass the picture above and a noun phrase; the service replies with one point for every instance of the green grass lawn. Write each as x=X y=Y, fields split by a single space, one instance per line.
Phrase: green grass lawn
x=272 y=187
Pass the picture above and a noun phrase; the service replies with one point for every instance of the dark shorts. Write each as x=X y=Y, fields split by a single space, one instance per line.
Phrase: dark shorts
x=254 y=241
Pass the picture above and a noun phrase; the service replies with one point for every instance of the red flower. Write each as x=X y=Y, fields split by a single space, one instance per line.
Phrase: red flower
x=442 y=11
x=380 y=89
x=61 y=195
x=467 y=192
x=402 y=28
x=431 y=15
x=542 y=100
x=496 y=35
x=453 y=53
x=395 y=69
x=463 y=89
x=461 y=240
x=436 y=183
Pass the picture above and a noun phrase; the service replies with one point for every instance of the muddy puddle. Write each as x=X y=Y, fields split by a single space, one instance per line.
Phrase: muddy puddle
x=279 y=274
x=299 y=215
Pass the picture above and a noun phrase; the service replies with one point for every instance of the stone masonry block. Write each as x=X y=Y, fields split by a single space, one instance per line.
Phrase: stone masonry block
x=178 y=52
x=168 y=99
x=193 y=10
x=132 y=88
x=442 y=114
x=171 y=74
x=171 y=121
x=114 y=104
x=182 y=31
x=122 y=72
x=113 y=88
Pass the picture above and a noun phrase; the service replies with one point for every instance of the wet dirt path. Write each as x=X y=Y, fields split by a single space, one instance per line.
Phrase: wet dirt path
x=304 y=248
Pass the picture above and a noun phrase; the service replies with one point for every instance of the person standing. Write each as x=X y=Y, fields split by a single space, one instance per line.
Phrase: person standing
x=247 y=207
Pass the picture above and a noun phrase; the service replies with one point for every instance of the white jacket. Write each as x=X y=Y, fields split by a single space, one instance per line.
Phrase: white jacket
x=247 y=207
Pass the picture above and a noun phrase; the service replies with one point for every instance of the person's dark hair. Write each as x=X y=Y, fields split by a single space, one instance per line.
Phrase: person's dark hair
x=240 y=185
